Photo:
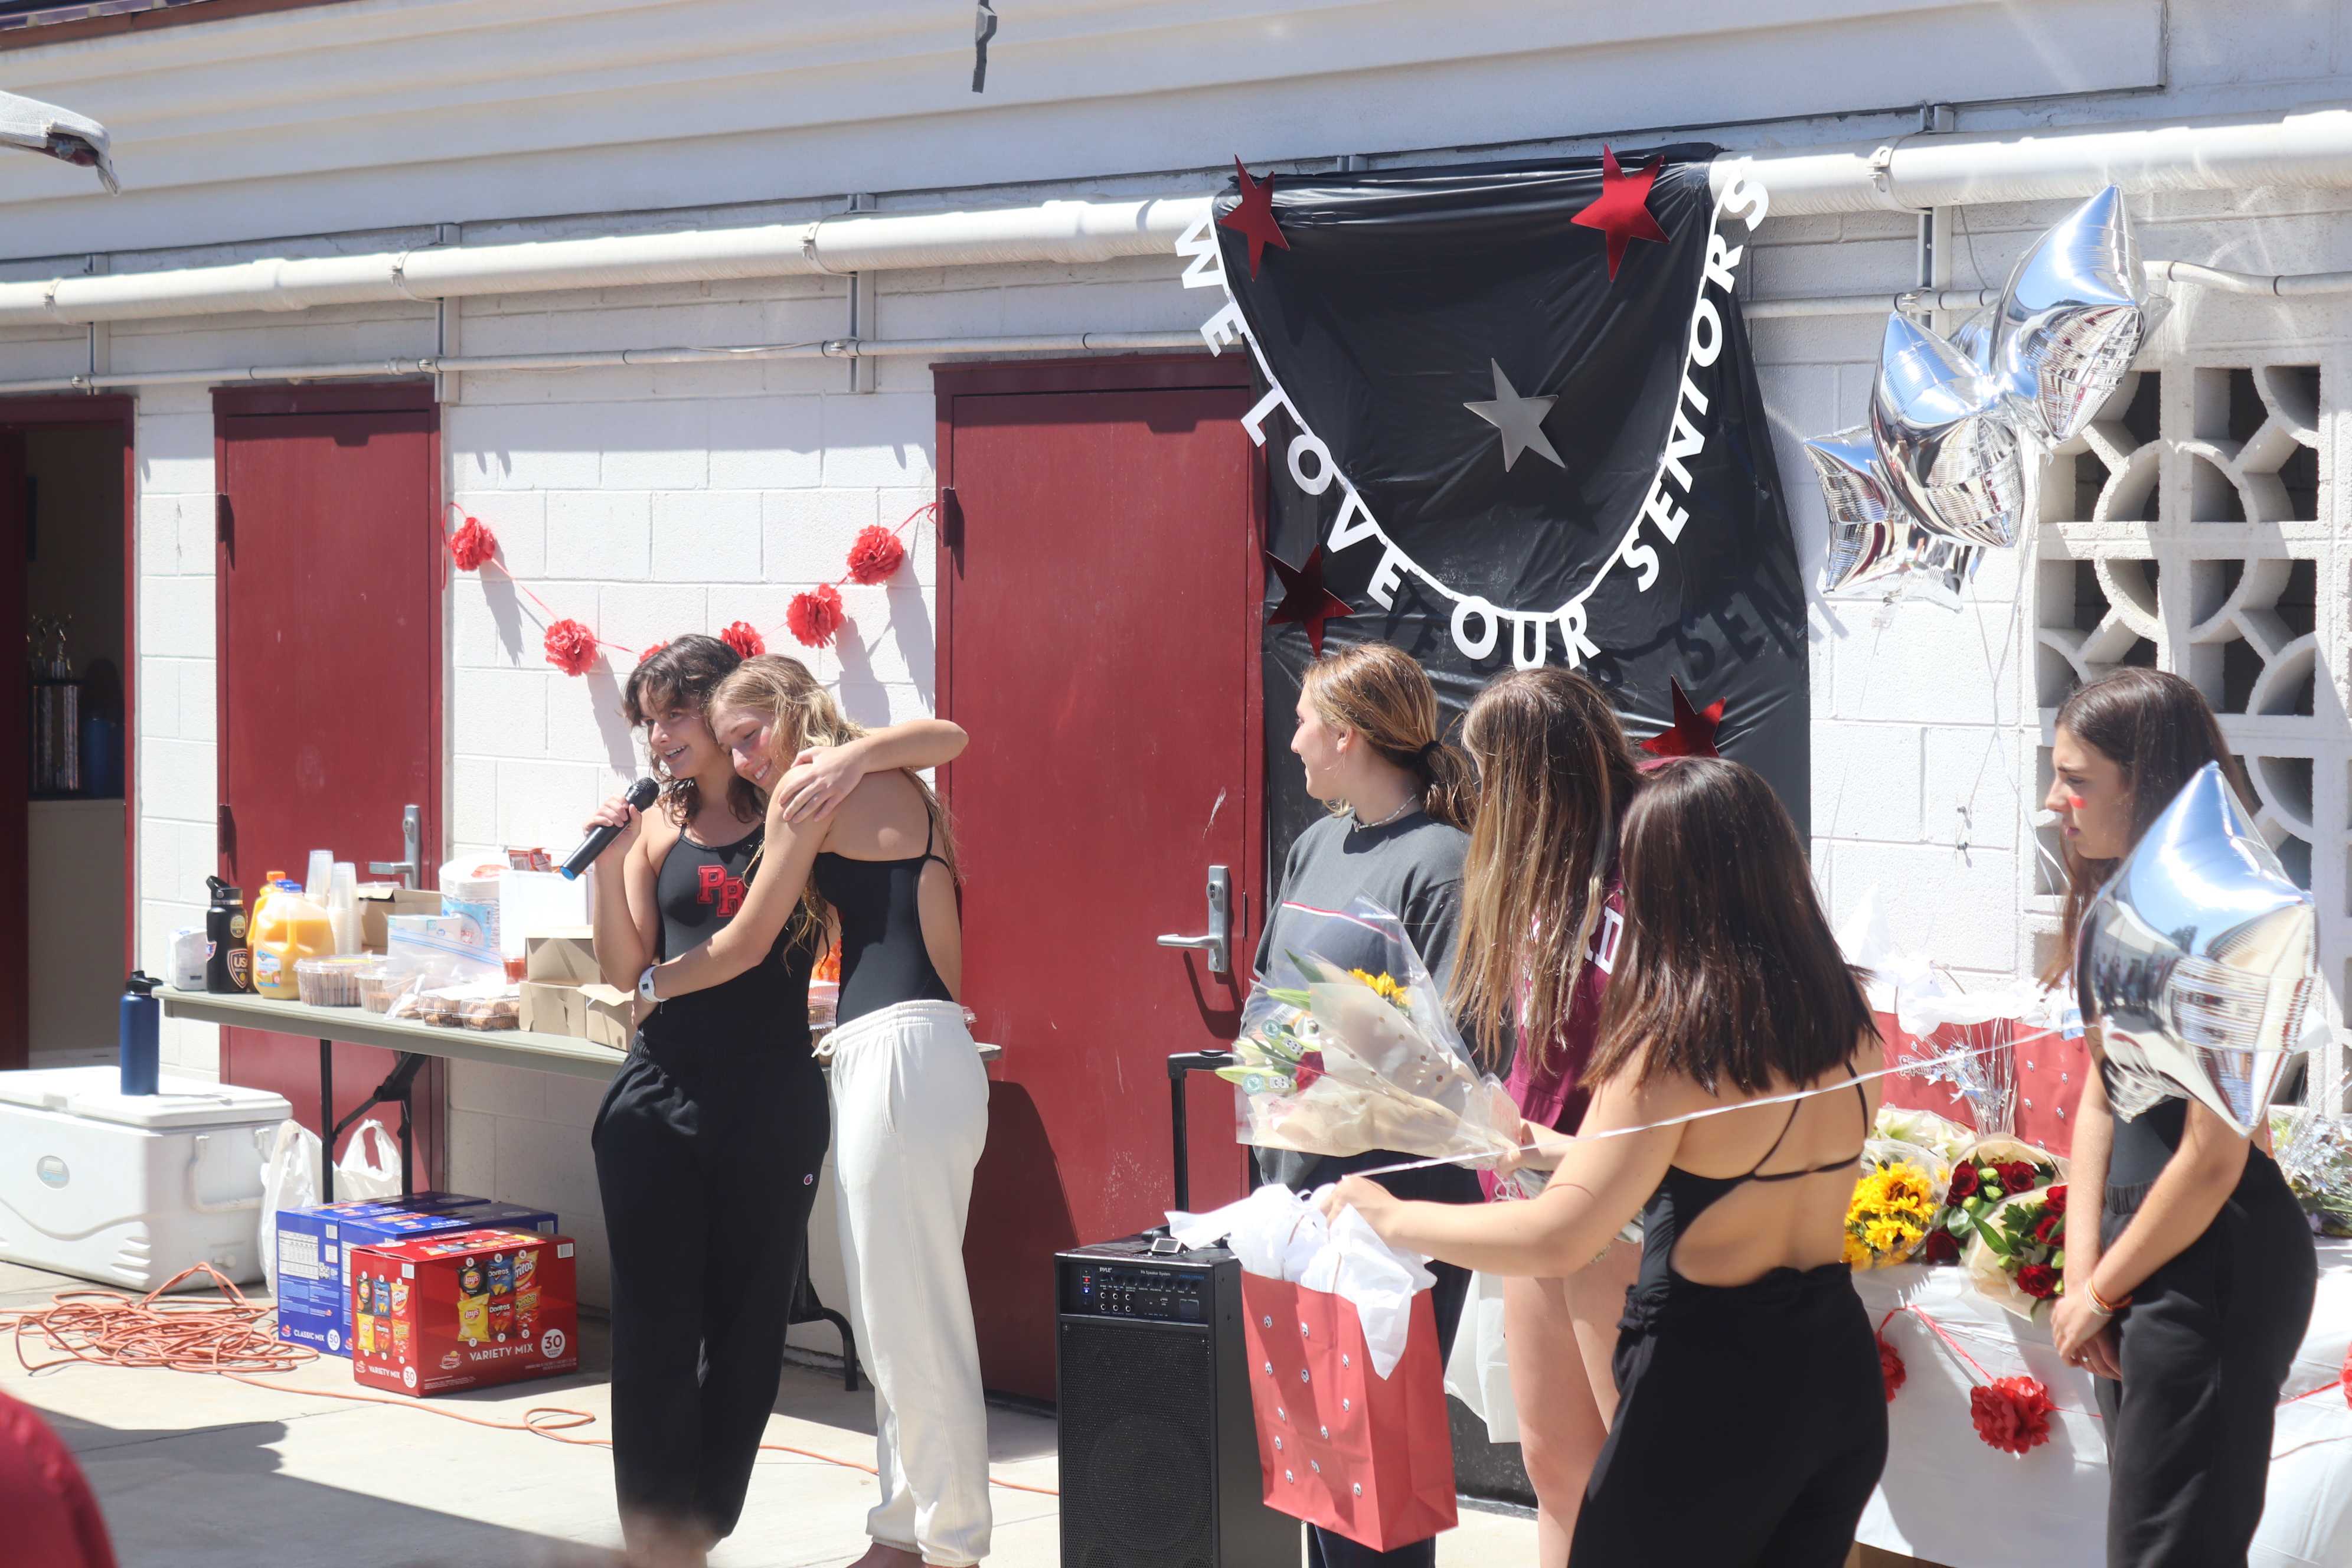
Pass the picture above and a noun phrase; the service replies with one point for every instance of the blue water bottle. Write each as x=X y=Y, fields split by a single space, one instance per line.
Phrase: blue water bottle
x=141 y=1015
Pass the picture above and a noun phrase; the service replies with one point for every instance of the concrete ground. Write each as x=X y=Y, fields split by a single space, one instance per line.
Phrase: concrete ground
x=197 y=1472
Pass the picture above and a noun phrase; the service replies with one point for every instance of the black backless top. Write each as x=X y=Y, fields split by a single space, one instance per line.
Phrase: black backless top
x=883 y=959
x=1685 y=1195
x=697 y=890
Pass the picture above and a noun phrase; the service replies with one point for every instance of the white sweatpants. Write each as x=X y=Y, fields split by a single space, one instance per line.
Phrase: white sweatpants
x=909 y=1116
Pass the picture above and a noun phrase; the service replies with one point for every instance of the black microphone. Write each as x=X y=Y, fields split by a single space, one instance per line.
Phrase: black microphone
x=640 y=796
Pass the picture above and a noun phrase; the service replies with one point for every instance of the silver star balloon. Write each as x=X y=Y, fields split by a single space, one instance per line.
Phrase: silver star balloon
x=1520 y=419
x=1875 y=539
x=1974 y=337
x=1947 y=442
x=2071 y=319
x=2196 y=961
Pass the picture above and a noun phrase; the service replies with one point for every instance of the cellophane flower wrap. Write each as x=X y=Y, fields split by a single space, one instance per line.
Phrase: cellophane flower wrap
x=1939 y=1135
x=1989 y=1173
x=2315 y=1152
x=1895 y=1202
x=2018 y=1256
x=1342 y=1058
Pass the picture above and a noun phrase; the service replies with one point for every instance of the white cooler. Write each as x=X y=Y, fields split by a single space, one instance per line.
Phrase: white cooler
x=130 y=1189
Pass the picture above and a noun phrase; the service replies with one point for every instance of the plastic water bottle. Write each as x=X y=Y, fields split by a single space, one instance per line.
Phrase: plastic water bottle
x=141 y=1016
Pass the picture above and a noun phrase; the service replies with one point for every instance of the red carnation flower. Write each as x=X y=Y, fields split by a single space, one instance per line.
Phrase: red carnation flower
x=2037 y=1280
x=1310 y=1068
x=1891 y=1370
x=814 y=618
x=1943 y=1247
x=744 y=638
x=571 y=647
x=876 y=556
x=2012 y=1414
x=1964 y=1183
x=2051 y=1229
x=472 y=545
x=2054 y=1200
x=651 y=650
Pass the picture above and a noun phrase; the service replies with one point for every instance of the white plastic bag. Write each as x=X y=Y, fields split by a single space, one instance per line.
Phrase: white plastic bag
x=289 y=1180
x=360 y=1175
x=1479 y=1373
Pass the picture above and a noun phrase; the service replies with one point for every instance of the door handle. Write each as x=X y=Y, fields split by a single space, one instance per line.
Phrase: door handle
x=410 y=870
x=1218 y=944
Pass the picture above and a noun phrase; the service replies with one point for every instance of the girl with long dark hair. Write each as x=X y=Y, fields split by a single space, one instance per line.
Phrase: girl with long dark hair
x=709 y=1143
x=2190 y=1269
x=1725 y=1113
x=876 y=861
x=1542 y=923
x=1400 y=799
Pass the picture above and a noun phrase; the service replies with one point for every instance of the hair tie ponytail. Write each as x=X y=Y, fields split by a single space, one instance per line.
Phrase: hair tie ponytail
x=1428 y=750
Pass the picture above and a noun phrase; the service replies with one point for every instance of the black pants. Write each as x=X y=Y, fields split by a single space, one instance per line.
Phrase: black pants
x=1438 y=1184
x=2205 y=1347
x=1751 y=1429
x=706 y=1197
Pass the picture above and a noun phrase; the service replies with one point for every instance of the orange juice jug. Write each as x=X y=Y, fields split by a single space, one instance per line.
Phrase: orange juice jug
x=287 y=927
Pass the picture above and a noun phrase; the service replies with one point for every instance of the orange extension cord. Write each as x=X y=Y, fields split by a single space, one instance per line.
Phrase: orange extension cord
x=104 y=1328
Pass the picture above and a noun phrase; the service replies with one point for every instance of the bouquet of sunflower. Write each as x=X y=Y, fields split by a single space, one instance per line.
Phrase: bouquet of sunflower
x=1893 y=1210
x=1986 y=1174
x=2018 y=1256
x=1357 y=1050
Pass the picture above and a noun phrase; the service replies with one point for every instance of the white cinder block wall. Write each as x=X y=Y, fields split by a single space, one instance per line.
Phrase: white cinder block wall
x=650 y=501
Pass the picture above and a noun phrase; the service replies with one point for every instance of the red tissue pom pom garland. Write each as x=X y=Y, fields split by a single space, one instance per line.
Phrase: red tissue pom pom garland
x=2013 y=1414
x=571 y=647
x=815 y=617
x=875 y=556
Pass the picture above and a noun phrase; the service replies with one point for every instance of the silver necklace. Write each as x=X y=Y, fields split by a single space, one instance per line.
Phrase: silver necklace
x=1359 y=825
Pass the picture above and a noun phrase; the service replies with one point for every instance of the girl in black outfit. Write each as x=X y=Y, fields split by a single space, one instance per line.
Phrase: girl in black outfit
x=2190 y=1269
x=1729 y=989
x=709 y=1142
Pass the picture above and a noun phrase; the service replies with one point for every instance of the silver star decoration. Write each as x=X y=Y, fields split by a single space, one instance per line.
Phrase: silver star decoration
x=1520 y=419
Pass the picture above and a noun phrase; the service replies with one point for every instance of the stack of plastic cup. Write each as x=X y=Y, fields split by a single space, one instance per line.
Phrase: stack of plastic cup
x=321 y=875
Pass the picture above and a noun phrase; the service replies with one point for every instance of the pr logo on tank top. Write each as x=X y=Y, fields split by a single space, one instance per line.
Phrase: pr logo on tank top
x=714 y=886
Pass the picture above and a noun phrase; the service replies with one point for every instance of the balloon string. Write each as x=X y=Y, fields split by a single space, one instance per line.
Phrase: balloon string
x=1910 y=1065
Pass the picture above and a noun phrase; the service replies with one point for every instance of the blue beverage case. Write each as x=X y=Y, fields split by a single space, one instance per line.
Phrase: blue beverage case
x=314 y=1294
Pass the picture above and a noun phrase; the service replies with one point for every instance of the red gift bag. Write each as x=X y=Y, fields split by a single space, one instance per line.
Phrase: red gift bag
x=1367 y=1457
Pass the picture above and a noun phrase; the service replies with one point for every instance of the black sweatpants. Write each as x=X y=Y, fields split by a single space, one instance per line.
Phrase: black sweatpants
x=706 y=1194
x=1437 y=1184
x=1751 y=1429
x=2205 y=1347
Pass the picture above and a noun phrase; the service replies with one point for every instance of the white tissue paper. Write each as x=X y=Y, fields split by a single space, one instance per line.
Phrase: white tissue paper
x=1278 y=1234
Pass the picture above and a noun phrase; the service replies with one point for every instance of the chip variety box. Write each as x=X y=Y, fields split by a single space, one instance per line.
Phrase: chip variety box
x=314 y=1295
x=434 y=1314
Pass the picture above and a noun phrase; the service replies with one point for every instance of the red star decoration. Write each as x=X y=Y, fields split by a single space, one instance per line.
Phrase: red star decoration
x=1305 y=599
x=1621 y=211
x=1255 y=217
x=1693 y=732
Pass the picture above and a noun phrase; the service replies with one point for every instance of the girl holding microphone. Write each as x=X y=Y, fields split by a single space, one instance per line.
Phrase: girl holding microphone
x=709 y=1142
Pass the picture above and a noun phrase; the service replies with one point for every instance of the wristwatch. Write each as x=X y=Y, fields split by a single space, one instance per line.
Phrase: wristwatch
x=646 y=985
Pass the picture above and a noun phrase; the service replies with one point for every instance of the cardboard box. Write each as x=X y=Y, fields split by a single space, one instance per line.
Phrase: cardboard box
x=379 y=899
x=314 y=1302
x=565 y=957
x=548 y=1008
x=464 y=1310
x=610 y=1015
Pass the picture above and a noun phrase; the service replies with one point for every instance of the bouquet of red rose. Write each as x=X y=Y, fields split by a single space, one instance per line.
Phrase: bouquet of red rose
x=2019 y=1255
x=1988 y=1172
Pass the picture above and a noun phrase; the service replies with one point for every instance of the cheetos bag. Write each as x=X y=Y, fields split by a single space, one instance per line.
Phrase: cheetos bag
x=1369 y=1457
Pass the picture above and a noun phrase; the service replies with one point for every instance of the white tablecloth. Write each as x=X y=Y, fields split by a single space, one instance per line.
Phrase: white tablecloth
x=1948 y=1498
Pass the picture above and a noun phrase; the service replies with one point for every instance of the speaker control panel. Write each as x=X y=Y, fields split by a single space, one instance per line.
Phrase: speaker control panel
x=1137 y=1290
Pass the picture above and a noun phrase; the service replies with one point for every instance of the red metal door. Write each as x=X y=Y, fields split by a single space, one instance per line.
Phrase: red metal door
x=1099 y=610
x=329 y=599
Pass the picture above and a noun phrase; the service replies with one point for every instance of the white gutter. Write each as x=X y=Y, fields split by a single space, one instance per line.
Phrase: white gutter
x=2309 y=148
x=1068 y=232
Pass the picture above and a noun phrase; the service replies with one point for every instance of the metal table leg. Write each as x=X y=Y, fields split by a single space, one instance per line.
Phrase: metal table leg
x=397 y=1089
x=326 y=1121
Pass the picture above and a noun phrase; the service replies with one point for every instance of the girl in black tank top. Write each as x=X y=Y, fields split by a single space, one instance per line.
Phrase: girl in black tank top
x=1728 y=988
x=884 y=959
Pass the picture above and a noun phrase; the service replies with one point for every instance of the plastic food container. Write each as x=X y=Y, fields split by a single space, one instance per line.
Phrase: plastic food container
x=333 y=981
x=381 y=982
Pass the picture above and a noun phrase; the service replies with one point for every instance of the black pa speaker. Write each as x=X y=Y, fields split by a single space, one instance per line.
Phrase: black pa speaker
x=1158 y=1452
